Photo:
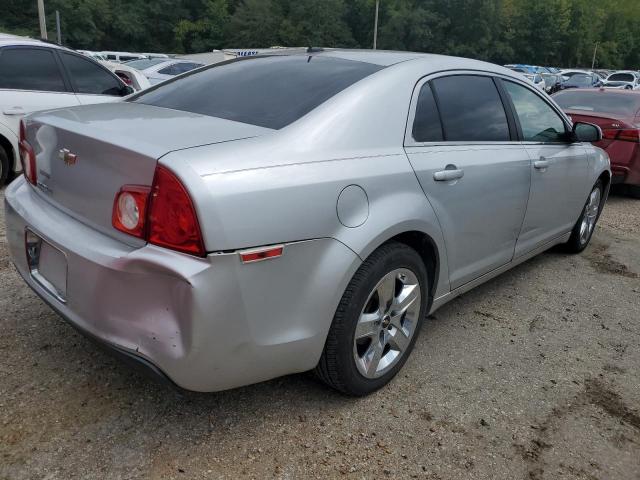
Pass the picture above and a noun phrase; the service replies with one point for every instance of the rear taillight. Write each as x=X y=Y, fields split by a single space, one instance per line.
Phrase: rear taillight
x=172 y=218
x=130 y=210
x=27 y=156
x=625 y=135
x=162 y=214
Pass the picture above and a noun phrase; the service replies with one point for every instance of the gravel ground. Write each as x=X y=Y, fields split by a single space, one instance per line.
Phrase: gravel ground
x=532 y=375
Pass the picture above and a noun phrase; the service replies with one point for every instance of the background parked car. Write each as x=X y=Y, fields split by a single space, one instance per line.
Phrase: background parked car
x=530 y=75
x=120 y=57
x=617 y=113
x=627 y=80
x=95 y=55
x=552 y=81
x=129 y=75
x=35 y=75
x=160 y=69
x=582 y=80
x=576 y=71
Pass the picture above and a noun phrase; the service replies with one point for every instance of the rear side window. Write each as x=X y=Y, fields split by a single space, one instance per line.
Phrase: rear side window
x=30 y=69
x=471 y=109
x=87 y=77
x=426 y=125
x=538 y=121
x=271 y=92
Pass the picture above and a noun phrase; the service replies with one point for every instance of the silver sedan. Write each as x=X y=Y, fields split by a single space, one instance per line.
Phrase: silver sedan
x=274 y=215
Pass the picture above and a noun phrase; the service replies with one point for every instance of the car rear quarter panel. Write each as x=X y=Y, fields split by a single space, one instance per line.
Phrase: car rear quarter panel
x=284 y=186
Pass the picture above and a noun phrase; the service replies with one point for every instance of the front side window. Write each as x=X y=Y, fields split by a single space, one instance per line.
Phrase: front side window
x=538 y=121
x=426 y=125
x=87 y=77
x=471 y=109
x=30 y=69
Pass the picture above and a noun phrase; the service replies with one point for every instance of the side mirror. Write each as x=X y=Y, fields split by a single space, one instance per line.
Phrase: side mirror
x=126 y=90
x=586 y=132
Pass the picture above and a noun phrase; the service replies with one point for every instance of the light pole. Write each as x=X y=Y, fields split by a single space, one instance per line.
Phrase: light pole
x=58 y=28
x=375 y=27
x=593 y=60
x=43 y=23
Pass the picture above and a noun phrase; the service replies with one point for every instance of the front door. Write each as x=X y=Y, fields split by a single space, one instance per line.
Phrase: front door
x=559 y=169
x=473 y=174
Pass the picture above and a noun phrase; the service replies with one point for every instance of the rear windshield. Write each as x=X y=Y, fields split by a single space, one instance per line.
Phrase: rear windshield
x=145 y=63
x=603 y=102
x=270 y=92
x=621 y=77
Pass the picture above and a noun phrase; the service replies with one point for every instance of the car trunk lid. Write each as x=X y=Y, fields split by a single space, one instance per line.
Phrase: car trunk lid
x=84 y=155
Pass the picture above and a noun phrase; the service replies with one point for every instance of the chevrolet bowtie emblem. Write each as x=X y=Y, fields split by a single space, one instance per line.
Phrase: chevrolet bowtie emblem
x=67 y=157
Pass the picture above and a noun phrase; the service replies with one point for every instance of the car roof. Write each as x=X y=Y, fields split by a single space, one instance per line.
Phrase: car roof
x=12 y=41
x=432 y=62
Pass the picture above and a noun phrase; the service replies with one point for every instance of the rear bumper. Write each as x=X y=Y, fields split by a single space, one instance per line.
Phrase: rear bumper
x=205 y=324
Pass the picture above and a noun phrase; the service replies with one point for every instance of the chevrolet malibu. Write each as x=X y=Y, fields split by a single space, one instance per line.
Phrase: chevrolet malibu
x=274 y=215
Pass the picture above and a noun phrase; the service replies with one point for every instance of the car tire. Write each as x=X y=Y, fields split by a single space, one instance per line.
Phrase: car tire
x=633 y=191
x=377 y=321
x=5 y=167
x=585 y=226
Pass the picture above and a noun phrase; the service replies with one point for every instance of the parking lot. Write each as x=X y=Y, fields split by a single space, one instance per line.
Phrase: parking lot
x=534 y=375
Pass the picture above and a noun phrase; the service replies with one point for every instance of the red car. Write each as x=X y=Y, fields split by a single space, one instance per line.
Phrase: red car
x=617 y=113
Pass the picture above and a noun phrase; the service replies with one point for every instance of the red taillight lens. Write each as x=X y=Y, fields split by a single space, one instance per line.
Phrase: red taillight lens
x=162 y=214
x=172 y=220
x=130 y=210
x=625 y=135
x=27 y=156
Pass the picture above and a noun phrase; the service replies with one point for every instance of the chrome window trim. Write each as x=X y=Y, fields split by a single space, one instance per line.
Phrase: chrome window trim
x=408 y=136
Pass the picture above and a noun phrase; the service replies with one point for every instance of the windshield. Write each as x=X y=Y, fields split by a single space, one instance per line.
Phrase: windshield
x=621 y=77
x=270 y=92
x=145 y=63
x=626 y=104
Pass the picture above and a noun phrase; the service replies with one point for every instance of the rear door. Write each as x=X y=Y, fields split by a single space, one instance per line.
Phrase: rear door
x=31 y=79
x=558 y=170
x=91 y=82
x=462 y=144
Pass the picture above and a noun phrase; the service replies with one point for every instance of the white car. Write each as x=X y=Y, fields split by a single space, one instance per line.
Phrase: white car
x=34 y=76
x=160 y=69
x=129 y=75
x=121 y=57
x=623 y=80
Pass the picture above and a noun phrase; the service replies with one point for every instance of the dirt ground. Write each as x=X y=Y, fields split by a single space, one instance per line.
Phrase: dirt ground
x=534 y=375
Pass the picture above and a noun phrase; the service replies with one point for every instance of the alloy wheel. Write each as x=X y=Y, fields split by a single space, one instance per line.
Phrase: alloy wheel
x=590 y=215
x=387 y=323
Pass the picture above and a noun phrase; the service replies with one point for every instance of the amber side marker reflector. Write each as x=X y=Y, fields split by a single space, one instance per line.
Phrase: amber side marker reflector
x=259 y=254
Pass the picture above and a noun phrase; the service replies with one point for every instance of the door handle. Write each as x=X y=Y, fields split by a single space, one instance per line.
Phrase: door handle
x=541 y=164
x=448 y=174
x=13 y=111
